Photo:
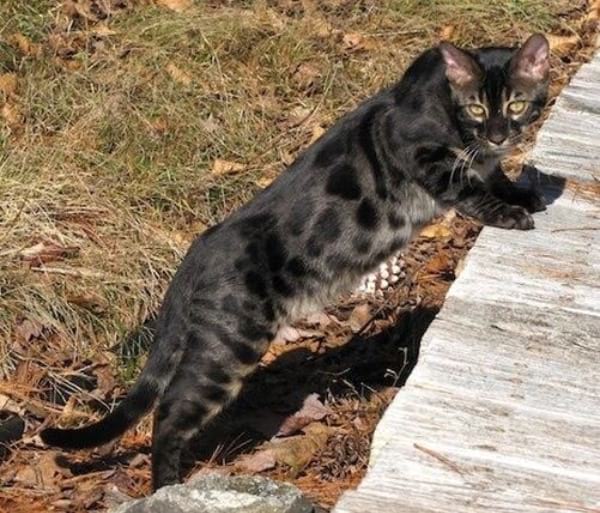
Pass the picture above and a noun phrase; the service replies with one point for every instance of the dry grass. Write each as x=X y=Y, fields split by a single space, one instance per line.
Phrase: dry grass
x=111 y=120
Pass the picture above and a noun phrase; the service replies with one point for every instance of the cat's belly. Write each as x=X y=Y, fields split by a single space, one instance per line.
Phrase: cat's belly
x=314 y=300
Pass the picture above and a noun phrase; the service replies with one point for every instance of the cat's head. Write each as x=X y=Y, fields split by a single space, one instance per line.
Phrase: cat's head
x=498 y=91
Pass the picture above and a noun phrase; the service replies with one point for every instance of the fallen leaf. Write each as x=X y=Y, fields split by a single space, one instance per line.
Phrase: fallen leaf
x=257 y=462
x=8 y=83
x=594 y=11
x=353 y=41
x=159 y=125
x=447 y=32
x=312 y=410
x=298 y=115
x=12 y=115
x=176 y=5
x=359 y=317
x=317 y=132
x=45 y=252
x=74 y=9
x=25 y=45
x=92 y=302
x=226 y=167
x=28 y=329
x=306 y=75
x=298 y=451
x=179 y=75
x=562 y=45
x=439 y=264
x=10 y=405
x=321 y=27
x=435 y=231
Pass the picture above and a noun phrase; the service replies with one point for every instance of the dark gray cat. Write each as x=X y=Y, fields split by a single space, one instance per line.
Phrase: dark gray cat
x=355 y=197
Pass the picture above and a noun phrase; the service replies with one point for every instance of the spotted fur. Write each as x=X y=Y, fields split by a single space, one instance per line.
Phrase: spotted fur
x=350 y=201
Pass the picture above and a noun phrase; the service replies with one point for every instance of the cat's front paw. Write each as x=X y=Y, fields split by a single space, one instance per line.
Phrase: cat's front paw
x=514 y=218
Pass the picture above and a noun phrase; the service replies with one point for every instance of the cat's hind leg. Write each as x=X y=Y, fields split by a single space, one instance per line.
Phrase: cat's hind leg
x=208 y=377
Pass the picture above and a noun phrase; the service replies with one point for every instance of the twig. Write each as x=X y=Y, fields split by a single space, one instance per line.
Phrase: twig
x=80 y=272
x=440 y=458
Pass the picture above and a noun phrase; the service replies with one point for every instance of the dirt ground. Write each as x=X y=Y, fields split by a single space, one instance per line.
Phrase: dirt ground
x=127 y=127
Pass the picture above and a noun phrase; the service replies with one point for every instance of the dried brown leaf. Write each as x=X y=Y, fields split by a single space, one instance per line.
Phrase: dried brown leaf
x=312 y=410
x=8 y=83
x=562 y=45
x=44 y=252
x=226 y=167
x=298 y=451
x=321 y=27
x=12 y=114
x=594 y=11
x=28 y=329
x=353 y=41
x=447 y=32
x=435 y=231
x=359 y=317
x=176 y=5
x=25 y=45
x=317 y=132
x=179 y=75
x=439 y=264
x=306 y=75
x=258 y=462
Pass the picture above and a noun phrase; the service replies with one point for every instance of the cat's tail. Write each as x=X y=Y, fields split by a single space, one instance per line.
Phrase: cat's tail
x=133 y=407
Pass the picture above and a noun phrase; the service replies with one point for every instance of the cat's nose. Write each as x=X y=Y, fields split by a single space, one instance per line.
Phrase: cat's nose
x=497 y=138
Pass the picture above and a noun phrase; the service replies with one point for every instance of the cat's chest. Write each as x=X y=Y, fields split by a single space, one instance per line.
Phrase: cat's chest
x=482 y=169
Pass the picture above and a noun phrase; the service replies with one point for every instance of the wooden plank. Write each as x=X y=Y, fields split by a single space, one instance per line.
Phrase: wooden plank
x=502 y=412
x=567 y=144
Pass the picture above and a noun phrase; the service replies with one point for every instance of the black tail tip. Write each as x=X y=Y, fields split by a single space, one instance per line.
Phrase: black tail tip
x=56 y=437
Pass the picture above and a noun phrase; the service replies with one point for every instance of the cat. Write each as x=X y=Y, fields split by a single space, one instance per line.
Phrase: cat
x=351 y=200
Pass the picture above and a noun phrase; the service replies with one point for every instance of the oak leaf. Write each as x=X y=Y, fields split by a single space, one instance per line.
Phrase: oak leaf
x=226 y=167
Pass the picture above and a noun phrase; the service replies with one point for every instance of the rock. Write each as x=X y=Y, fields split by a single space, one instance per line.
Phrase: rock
x=221 y=494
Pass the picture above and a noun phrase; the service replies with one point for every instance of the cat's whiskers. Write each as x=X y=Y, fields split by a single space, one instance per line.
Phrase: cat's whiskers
x=460 y=159
x=472 y=151
x=474 y=155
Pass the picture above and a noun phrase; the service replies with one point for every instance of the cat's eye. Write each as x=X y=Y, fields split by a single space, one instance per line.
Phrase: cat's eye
x=517 y=107
x=476 y=110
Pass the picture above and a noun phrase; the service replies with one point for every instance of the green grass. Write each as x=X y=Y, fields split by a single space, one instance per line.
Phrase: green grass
x=121 y=121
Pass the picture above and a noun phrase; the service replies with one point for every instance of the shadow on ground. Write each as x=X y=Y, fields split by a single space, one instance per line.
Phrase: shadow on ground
x=362 y=366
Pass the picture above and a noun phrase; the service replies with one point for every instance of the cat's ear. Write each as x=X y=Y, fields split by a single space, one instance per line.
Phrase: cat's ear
x=531 y=63
x=461 y=69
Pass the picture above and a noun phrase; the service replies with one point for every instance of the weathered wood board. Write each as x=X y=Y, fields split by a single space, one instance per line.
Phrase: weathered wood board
x=502 y=412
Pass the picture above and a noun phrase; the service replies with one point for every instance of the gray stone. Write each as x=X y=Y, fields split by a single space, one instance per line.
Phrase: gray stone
x=221 y=494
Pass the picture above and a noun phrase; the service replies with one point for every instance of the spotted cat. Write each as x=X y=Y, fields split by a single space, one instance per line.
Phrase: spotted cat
x=355 y=197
